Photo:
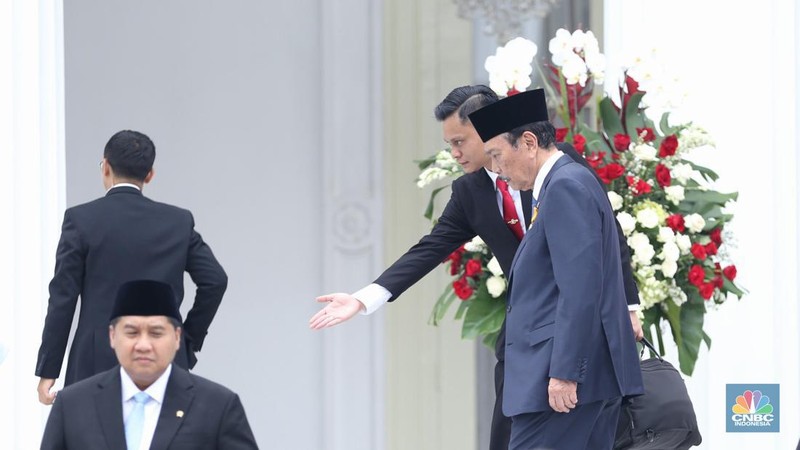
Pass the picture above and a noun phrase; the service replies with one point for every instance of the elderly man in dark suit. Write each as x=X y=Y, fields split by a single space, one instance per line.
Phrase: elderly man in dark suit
x=570 y=353
x=146 y=402
x=119 y=237
x=477 y=207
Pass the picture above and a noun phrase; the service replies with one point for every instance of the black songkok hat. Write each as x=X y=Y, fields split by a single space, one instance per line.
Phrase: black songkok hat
x=511 y=112
x=145 y=298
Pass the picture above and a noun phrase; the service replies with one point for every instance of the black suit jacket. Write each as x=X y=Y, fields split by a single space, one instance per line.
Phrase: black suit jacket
x=117 y=238
x=88 y=416
x=472 y=210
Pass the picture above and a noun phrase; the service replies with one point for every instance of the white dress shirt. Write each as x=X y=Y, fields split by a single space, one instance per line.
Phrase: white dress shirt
x=152 y=409
x=124 y=185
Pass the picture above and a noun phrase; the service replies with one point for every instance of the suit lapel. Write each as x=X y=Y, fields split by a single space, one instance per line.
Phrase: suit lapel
x=177 y=401
x=527 y=206
x=563 y=161
x=108 y=403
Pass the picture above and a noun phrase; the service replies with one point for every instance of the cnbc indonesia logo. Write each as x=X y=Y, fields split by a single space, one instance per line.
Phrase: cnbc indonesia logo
x=753 y=410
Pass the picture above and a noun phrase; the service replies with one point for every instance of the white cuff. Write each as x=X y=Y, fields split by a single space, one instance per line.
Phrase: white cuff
x=633 y=307
x=372 y=297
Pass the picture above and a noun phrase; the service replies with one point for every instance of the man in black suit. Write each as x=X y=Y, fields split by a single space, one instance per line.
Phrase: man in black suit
x=119 y=237
x=146 y=402
x=475 y=208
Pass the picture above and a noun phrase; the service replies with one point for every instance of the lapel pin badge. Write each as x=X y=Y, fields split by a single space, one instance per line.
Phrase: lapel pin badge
x=179 y=413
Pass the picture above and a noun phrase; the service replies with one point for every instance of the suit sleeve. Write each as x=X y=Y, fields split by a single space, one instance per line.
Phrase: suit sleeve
x=54 y=438
x=450 y=232
x=211 y=281
x=573 y=230
x=235 y=432
x=65 y=287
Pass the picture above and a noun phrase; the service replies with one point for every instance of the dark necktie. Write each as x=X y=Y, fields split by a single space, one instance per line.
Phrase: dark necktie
x=509 y=210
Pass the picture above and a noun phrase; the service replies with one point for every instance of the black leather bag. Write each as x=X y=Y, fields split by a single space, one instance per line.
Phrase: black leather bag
x=661 y=419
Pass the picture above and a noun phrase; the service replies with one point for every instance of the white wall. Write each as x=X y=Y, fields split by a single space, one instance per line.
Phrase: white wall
x=739 y=66
x=245 y=105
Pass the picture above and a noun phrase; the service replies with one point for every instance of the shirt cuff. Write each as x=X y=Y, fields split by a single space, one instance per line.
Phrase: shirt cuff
x=372 y=297
x=633 y=307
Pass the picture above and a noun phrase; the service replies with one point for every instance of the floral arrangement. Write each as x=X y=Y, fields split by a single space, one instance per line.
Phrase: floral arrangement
x=674 y=221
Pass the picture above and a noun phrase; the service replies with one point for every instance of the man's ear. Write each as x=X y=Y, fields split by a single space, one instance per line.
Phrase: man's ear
x=149 y=176
x=111 y=335
x=530 y=140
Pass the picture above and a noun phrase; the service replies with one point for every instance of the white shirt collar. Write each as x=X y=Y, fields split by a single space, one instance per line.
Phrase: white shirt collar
x=156 y=390
x=546 y=167
x=124 y=185
x=493 y=176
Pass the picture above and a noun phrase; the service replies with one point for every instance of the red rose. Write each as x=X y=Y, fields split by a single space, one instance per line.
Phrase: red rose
x=663 y=176
x=595 y=159
x=717 y=282
x=675 y=221
x=698 y=251
x=668 y=146
x=602 y=172
x=462 y=288
x=729 y=272
x=716 y=236
x=579 y=142
x=711 y=248
x=561 y=133
x=614 y=171
x=642 y=187
x=706 y=290
x=696 y=275
x=621 y=142
x=473 y=268
x=455 y=261
x=649 y=135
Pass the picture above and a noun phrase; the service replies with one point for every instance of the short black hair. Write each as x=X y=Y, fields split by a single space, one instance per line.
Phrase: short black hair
x=465 y=100
x=130 y=154
x=174 y=322
x=544 y=131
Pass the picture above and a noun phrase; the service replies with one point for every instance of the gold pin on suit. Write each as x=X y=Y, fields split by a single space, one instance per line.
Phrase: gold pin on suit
x=179 y=413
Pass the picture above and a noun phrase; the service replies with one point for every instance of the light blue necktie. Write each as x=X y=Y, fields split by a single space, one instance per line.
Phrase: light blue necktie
x=135 y=423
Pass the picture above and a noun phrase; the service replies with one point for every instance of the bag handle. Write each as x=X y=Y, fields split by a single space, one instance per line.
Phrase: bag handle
x=646 y=343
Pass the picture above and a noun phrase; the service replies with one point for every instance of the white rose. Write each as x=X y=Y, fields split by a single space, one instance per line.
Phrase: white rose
x=695 y=222
x=626 y=222
x=675 y=193
x=495 y=285
x=670 y=252
x=475 y=245
x=615 y=199
x=643 y=252
x=668 y=268
x=647 y=217
x=682 y=172
x=494 y=267
x=684 y=243
x=665 y=234
x=645 y=152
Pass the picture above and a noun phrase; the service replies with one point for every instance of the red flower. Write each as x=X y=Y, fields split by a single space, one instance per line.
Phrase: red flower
x=614 y=171
x=663 y=176
x=706 y=290
x=675 y=221
x=473 y=268
x=717 y=282
x=649 y=134
x=639 y=187
x=716 y=236
x=512 y=91
x=696 y=275
x=698 y=251
x=711 y=248
x=595 y=159
x=579 y=142
x=668 y=146
x=561 y=133
x=462 y=288
x=621 y=142
x=729 y=272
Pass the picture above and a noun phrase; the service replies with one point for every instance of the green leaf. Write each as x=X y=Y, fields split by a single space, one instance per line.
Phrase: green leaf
x=686 y=322
x=442 y=305
x=707 y=340
x=594 y=140
x=729 y=286
x=706 y=172
x=490 y=340
x=462 y=308
x=634 y=116
x=612 y=124
x=485 y=315
x=663 y=125
x=425 y=163
x=429 y=210
x=709 y=197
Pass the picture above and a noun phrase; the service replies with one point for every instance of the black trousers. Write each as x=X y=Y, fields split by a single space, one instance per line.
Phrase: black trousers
x=500 y=434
